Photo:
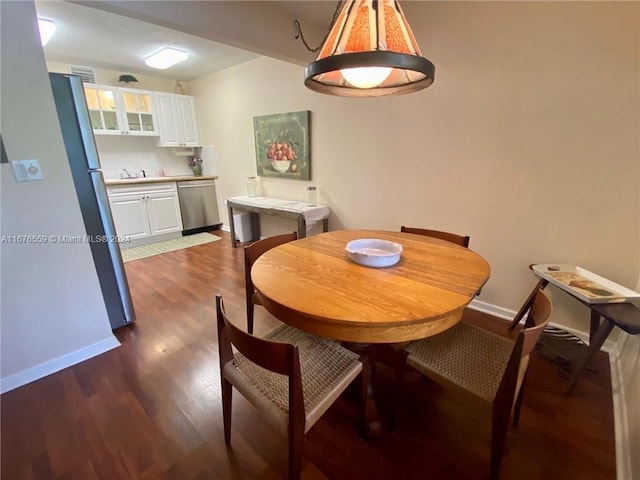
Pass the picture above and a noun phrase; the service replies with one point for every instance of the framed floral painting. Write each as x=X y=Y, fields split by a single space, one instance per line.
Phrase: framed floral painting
x=282 y=145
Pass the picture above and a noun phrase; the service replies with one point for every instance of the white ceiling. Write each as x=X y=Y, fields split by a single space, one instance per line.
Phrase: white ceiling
x=97 y=38
x=90 y=37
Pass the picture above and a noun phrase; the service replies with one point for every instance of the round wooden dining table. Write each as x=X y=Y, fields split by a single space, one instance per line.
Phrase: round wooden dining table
x=312 y=285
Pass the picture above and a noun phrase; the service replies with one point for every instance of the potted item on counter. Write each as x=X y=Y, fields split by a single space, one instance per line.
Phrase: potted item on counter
x=195 y=163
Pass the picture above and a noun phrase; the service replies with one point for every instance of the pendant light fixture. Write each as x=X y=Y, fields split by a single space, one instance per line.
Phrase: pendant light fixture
x=370 y=51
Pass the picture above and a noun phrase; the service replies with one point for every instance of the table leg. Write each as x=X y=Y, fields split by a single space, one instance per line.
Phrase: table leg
x=371 y=419
x=594 y=347
x=302 y=227
x=372 y=425
x=325 y=224
x=595 y=324
x=232 y=227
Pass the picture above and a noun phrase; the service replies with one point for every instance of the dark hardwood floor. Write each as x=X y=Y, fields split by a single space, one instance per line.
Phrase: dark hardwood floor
x=151 y=408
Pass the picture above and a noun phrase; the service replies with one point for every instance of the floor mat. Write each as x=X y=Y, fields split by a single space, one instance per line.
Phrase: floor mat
x=143 y=251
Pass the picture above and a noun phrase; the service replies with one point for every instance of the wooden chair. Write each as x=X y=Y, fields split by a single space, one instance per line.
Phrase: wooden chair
x=449 y=237
x=489 y=367
x=251 y=254
x=289 y=376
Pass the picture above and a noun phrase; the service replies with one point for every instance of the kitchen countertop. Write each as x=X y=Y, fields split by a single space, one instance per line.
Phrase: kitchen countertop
x=133 y=181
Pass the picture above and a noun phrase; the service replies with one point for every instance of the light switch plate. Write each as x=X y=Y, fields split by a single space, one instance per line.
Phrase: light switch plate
x=26 y=170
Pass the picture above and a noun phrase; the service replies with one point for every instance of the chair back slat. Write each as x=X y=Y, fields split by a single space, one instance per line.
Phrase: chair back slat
x=526 y=306
x=275 y=356
x=447 y=236
x=256 y=249
x=539 y=317
x=251 y=254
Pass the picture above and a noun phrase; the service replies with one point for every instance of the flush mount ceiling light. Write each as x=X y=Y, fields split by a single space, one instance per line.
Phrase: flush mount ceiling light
x=166 y=58
x=47 y=29
x=369 y=51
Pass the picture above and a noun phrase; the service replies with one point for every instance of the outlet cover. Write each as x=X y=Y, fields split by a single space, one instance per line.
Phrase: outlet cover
x=26 y=170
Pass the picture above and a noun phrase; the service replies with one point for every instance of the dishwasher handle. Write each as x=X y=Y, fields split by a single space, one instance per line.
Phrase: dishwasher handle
x=195 y=185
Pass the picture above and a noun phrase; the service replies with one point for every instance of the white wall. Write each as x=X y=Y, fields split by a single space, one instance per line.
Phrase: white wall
x=527 y=141
x=51 y=301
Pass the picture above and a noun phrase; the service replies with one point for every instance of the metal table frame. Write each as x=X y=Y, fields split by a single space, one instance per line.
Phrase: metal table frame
x=273 y=211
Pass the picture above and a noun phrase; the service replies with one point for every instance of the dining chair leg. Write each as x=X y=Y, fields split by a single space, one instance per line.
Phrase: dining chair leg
x=499 y=430
x=296 y=444
x=227 y=396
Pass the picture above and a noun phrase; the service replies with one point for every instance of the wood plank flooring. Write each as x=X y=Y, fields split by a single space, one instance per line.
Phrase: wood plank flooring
x=151 y=409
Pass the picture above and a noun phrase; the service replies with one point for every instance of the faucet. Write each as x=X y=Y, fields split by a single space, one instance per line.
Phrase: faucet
x=127 y=173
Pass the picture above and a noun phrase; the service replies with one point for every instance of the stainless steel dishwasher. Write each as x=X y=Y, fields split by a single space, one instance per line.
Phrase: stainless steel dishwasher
x=198 y=204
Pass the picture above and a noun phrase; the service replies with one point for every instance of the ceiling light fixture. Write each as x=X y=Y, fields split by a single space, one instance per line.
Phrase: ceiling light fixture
x=369 y=51
x=47 y=29
x=166 y=58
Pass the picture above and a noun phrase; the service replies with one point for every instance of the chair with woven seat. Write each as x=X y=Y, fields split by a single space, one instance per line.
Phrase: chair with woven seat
x=289 y=376
x=449 y=237
x=251 y=254
x=487 y=366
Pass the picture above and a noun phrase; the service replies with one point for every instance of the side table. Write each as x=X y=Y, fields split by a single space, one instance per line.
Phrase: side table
x=305 y=215
x=604 y=317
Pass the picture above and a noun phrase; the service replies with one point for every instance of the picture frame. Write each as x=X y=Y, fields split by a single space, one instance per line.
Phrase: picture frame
x=282 y=145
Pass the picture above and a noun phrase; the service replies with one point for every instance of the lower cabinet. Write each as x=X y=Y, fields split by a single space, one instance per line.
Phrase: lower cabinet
x=130 y=216
x=145 y=210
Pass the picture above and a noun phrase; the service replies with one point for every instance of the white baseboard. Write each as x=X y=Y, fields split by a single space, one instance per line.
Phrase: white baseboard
x=491 y=309
x=225 y=228
x=620 y=417
x=507 y=314
x=51 y=366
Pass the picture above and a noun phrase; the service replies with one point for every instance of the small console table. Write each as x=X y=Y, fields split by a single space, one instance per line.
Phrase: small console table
x=604 y=317
x=304 y=214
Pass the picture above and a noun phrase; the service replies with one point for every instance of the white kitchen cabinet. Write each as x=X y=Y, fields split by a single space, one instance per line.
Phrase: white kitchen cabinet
x=163 y=209
x=130 y=215
x=145 y=210
x=178 y=120
x=121 y=111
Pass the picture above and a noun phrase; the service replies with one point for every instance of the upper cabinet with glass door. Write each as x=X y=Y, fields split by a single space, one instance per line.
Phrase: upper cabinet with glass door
x=138 y=112
x=103 y=112
x=120 y=111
